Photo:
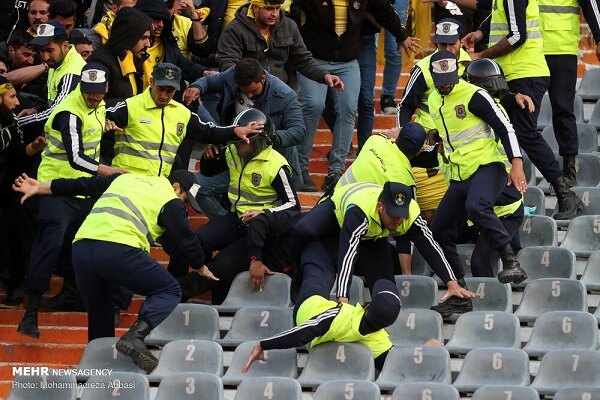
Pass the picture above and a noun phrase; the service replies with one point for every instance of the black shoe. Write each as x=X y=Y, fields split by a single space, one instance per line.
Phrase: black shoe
x=388 y=105
x=454 y=305
x=569 y=170
x=568 y=202
x=29 y=324
x=12 y=301
x=132 y=344
x=511 y=269
x=309 y=185
x=330 y=181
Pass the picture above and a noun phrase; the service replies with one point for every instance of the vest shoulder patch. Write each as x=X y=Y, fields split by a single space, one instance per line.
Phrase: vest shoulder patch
x=461 y=111
x=256 y=178
x=180 y=126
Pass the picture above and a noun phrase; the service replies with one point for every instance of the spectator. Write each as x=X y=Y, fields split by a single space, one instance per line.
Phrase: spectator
x=38 y=13
x=64 y=12
x=99 y=33
x=3 y=67
x=82 y=44
x=26 y=70
x=187 y=30
x=261 y=31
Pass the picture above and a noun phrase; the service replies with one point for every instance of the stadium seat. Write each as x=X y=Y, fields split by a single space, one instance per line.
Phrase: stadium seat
x=538 y=230
x=270 y=387
x=256 y=323
x=588 y=171
x=493 y=366
x=425 y=390
x=190 y=386
x=187 y=321
x=465 y=251
x=578 y=393
x=122 y=385
x=415 y=364
x=356 y=291
x=491 y=294
x=545 y=115
x=535 y=197
x=419 y=265
x=551 y=294
x=50 y=387
x=280 y=363
x=546 y=262
x=101 y=353
x=276 y=293
x=587 y=135
x=188 y=356
x=414 y=326
x=347 y=390
x=583 y=235
x=562 y=330
x=589 y=87
x=503 y=392
x=566 y=367
x=529 y=170
x=484 y=329
x=590 y=196
x=595 y=117
x=416 y=291
x=333 y=360
x=591 y=273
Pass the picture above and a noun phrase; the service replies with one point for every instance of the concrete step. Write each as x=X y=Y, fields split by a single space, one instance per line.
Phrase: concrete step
x=62 y=334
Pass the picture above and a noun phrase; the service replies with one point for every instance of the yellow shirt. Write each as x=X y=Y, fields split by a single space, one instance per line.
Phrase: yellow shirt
x=232 y=7
x=157 y=53
x=341 y=16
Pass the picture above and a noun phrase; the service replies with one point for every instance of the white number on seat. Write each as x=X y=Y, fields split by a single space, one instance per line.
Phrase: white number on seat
x=340 y=354
x=264 y=322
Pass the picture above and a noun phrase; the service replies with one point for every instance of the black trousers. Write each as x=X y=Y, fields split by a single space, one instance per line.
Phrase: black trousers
x=563 y=78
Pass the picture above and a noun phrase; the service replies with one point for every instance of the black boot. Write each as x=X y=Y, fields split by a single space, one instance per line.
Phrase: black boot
x=511 y=269
x=29 y=324
x=68 y=299
x=132 y=344
x=568 y=202
x=569 y=171
x=455 y=305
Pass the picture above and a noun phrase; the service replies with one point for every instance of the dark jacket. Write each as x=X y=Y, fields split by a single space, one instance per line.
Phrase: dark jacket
x=242 y=39
x=319 y=31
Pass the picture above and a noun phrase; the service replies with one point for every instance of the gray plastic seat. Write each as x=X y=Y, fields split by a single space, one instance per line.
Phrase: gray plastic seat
x=545 y=115
x=538 y=230
x=121 y=385
x=268 y=388
x=591 y=273
x=529 y=169
x=43 y=387
x=564 y=368
x=190 y=386
x=583 y=235
x=101 y=353
x=415 y=364
x=491 y=294
x=493 y=366
x=589 y=88
x=562 y=330
x=280 y=363
x=347 y=389
x=414 y=326
x=184 y=356
x=578 y=393
x=416 y=291
x=334 y=360
x=356 y=291
x=551 y=294
x=590 y=196
x=418 y=264
x=276 y=293
x=587 y=138
x=484 y=329
x=257 y=323
x=535 y=197
x=503 y=392
x=465 y=251
x=595 y=117
x=186 y=321
x=546 y=262
x=425 y=390
x=588 y=171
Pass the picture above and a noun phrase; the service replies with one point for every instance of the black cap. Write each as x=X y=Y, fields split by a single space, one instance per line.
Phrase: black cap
x=188 y=183
x=384 y=307
x=396 y=199
x=93 y=78
x=447 y=31
x=444 y=68
x=167 y=74
x=412 y=135
x=77 y=37
x=48 y=32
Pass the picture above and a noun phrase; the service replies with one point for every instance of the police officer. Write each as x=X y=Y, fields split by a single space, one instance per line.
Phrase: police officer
x=464 y=116
x=112 y=247
x=73 y=132
x=151 y=126
x=515 y=42
x=64 y=66
x=559 y=22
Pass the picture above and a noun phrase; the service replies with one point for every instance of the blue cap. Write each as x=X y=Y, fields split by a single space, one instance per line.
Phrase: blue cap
x=385 y=305
x=412 y=135
x=447 y=31
x=167 y=74
x=396 y=198
x=444 y=68
x=46 y=33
